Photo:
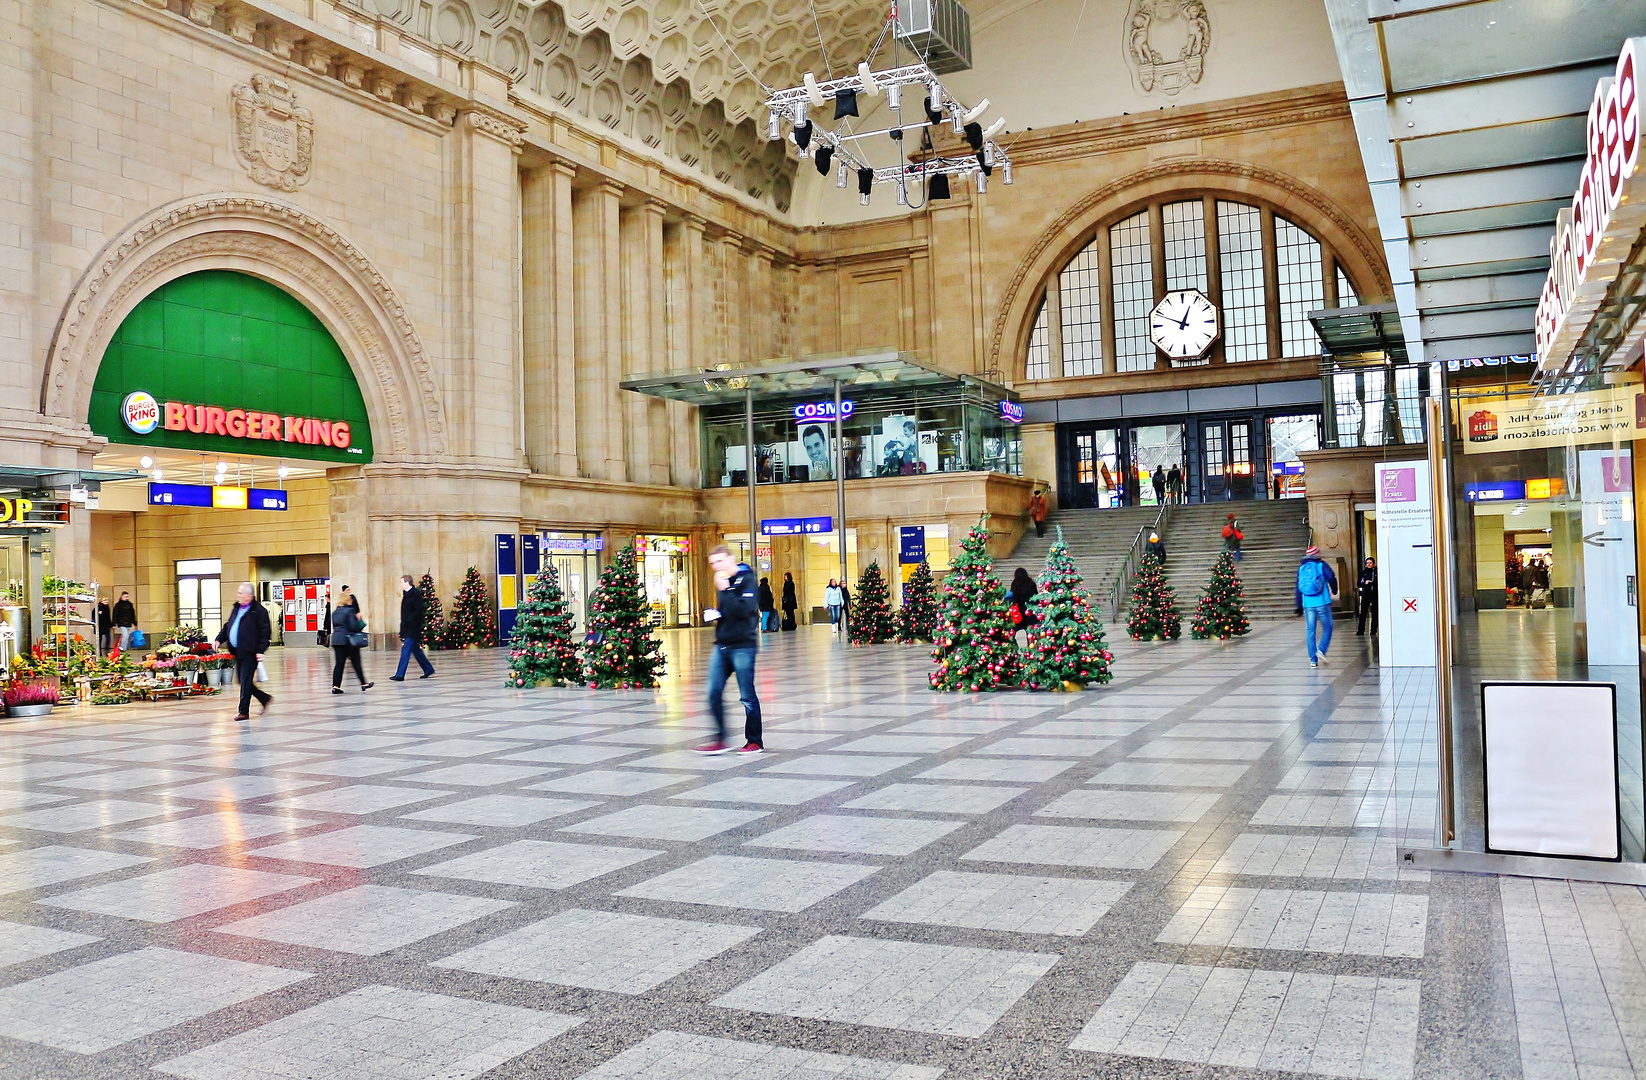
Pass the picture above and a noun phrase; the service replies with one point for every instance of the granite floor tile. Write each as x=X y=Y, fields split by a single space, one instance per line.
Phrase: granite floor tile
x=102 y=1004
x=222 y=829
x=366 y=920
x=838 y=765
x=539 y=864
x=83 y=816
x=477 y=774
x=601 y=950
x=894 y=984
x=937 y=798
x=35 y=868
x=20 y=942
x=502 y=811
x=673 y=1055
x=996 y=769
x=610 y=782
x=857 y=835
x=759 y=884
x=361 y=846
x=1058 y=845
x=178 y=893
x=1130 y=805
x=770 y=790
x=1009 y=902
x=359 y=799
x=685 y=823
x=377 y=1033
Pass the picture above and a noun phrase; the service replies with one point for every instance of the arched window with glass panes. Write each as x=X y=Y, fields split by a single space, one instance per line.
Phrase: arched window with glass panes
x=1263 y=271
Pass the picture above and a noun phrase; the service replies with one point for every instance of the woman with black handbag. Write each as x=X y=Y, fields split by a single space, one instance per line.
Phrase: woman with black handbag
x=348 y=637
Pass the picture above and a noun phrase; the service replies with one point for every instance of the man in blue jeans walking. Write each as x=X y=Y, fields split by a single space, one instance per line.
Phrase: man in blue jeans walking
x=736 y=640
x=1316 y=588
x=411 y=630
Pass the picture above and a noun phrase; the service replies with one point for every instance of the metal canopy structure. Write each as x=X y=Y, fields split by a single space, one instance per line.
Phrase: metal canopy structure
x=818 y=374
x=1471 y=117
x=1368 y=334
x=35 y=478
x=783 y=378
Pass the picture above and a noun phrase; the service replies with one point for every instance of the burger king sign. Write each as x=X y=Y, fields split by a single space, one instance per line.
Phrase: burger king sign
x=140 y=412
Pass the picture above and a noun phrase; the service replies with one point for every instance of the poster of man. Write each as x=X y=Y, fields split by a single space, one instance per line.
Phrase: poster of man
x=819 y=459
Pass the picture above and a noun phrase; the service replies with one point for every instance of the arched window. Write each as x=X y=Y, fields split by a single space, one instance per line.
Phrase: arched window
x=1264 y=273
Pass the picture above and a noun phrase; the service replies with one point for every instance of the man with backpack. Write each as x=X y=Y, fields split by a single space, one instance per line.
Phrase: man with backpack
x=1316 y=589
x=1232 y=536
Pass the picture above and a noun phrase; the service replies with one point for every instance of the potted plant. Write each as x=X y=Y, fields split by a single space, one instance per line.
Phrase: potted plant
x=219 y=668
x=30 y=699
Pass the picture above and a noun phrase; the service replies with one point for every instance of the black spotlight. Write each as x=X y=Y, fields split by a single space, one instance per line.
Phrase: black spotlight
x=845 y=104
x=974 y=135
x=803 y=135
x=825 y=154
x=937 y=187
x=865 y=181
x=935 y=116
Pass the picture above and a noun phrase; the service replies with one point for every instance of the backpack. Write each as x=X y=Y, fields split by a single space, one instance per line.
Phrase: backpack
x=1311 y=578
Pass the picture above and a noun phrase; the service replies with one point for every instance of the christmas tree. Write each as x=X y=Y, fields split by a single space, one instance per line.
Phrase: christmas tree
x=917 y=618
x=1066 y=649
x=541 y=649
x=975 y=647
x=620 y=652
x=1154 y=614
x=434 y=619
x=472 y=621
x=871 y=621
x=1222 y=610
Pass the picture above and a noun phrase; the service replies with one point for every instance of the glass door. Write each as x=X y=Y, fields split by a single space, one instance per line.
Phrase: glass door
x=1226 y=460
x=1092 y=469
x=1213 y=462
x=1155 y=450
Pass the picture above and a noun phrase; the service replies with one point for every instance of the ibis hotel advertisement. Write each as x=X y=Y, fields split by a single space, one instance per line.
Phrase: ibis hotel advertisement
x=1492 y=425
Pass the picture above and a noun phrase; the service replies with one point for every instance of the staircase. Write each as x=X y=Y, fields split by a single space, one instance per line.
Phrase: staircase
x=1276 y=533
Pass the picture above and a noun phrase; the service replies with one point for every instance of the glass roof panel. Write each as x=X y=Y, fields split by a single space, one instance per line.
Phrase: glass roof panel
x=1505 y=37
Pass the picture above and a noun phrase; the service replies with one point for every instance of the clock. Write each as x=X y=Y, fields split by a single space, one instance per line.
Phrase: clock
x=1184 y=324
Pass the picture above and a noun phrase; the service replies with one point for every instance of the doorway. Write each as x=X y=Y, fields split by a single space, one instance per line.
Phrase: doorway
x=1226 y=460
x=1094 y=477
x=1155 y=450
x=199 y=593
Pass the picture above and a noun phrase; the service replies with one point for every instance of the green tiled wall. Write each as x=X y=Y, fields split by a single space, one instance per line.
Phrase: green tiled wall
x=223 y=338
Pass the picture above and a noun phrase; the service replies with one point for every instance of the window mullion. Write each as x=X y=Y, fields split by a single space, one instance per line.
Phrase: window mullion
x=1054 y=326
x=1157 y=258
x=1271 y=287
x=1328 y=277
x=1214 y=275
x=1105 y=285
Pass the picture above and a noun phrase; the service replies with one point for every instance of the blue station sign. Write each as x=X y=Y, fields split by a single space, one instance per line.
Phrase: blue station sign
x=796 y=526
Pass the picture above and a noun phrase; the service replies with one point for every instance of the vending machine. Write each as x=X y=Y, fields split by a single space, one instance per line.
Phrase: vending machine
x=303 y=604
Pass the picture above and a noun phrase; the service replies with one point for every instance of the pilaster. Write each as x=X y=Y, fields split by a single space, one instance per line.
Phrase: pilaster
x=549 y=355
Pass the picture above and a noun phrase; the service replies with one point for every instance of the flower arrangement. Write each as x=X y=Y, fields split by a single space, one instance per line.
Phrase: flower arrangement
x=187 y=662
x=110 y=697
x=220 y=661
x=30 y=693
x=183 y=635
x=171 y=649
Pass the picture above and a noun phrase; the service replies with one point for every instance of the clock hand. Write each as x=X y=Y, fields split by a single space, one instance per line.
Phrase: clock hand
x=1184 y=324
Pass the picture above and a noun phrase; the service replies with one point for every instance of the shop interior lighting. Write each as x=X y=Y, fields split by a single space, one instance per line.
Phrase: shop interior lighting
x=157 y=474
x=846 y=148
x=146 y=462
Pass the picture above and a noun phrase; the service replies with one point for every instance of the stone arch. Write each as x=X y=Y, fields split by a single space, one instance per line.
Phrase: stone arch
x=1301 y=203
x=287 y=247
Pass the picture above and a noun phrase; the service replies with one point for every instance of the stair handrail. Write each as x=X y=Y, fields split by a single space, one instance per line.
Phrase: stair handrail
x=1134 y=559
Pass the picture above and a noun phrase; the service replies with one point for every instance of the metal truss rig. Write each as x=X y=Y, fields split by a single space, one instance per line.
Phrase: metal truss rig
x=839 y=150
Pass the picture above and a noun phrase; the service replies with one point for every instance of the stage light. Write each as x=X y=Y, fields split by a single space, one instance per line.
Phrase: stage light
x=894 y=97
x=934 y=116
x=902 y=193
x=774 y=126
x=865 y=184
x=982 y=181
x=840 y=176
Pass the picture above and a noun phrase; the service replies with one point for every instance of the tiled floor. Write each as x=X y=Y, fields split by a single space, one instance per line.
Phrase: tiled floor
x=1190 y=872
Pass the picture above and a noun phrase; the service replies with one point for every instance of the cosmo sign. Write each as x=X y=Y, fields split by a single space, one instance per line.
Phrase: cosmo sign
x=1600 y=227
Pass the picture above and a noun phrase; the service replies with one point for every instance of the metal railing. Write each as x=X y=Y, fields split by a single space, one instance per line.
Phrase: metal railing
x=1134 y=559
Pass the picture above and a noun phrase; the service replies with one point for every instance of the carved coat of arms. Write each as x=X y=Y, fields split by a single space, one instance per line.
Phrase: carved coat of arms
x=273 y=135
x=1166 y=43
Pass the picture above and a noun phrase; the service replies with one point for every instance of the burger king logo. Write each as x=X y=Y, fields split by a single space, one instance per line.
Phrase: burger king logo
x=140 y=412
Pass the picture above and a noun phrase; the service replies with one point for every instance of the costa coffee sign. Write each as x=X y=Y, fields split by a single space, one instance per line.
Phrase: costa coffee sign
x=1600 y=227
x=142 y=414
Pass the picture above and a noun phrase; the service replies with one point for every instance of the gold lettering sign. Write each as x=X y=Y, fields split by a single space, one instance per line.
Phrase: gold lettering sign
x=1493 y=425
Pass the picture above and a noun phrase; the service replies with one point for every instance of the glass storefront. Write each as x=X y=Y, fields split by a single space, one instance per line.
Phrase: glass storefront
x=665 y=567
x=907 y=431
x=575 y=557
x=823 y=563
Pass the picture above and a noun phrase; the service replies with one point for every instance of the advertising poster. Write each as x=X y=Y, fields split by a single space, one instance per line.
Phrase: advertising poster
x=1406 y=572
x=1606 y=478
x=1491 y=425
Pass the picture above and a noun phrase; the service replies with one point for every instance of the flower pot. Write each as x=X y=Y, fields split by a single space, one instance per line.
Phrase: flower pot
x=29 y=710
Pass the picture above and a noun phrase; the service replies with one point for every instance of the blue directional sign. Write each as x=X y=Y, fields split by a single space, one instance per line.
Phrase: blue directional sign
x=796 y=526
x=180 y=495
x=1495 y=491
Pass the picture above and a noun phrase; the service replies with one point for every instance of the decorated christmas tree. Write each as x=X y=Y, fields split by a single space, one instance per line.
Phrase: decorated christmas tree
x=472 y=620
x=1066 y=649
x=917 y=618
x=434 y=619
x=871 y=622
x=541 y=648
x=1153 y=614
x=619 y=651
x=975 y=647
x=1222 y=609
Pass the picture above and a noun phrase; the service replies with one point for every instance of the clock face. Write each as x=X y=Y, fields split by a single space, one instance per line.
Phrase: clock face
x=1184 y=324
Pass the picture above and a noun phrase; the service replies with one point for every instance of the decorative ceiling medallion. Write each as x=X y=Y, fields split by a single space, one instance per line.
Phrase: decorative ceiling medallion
x=1166 y=44
x=273 y=135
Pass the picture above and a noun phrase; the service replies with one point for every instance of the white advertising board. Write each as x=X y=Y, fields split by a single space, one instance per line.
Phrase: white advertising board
x=1607 y=481
x=1551 y=769
x=1406 y=570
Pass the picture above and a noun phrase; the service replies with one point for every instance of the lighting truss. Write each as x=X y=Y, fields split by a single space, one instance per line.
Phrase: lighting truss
x=841 y=149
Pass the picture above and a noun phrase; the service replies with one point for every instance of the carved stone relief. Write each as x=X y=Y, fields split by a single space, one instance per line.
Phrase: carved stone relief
x=1166 y=42
x=273 y=134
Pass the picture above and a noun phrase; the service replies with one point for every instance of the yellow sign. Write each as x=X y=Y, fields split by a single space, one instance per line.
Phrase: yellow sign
x=228 y=498
x=14 y=509
x=1546 y=488
x=1493 y=425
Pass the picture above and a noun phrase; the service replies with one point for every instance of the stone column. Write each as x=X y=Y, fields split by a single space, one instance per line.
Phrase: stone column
x=956 y=323
x=657 y=354
x=728 y=294
x=688 y=326
x=635 y=305
x=598 y=284
x=549 y=355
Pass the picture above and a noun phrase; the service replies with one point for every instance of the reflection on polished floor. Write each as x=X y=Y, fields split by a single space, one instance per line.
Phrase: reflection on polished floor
x=1188 y=873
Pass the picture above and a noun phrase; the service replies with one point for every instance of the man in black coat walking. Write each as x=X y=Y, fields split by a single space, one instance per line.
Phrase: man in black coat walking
x=411 y=630
x=247 y=633
x=736 y=621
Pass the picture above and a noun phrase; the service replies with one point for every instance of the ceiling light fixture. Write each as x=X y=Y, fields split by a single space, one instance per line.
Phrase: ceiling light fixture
x=146 y=461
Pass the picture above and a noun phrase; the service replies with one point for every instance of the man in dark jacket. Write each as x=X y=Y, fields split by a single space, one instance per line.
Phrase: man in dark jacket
x=125 y=618
x=1366 y=594
x=411 y=630
x=246 y=632
x=736 y=621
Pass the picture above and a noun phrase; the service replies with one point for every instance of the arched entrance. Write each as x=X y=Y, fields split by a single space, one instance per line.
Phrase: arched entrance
x=379 y=371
